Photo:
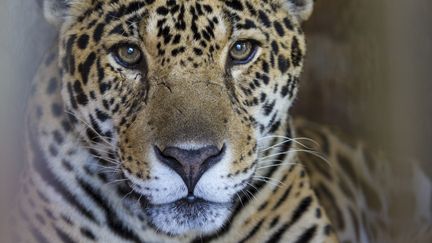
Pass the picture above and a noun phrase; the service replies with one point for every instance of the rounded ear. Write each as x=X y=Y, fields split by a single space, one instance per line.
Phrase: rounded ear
x=55 y=11
x=301 y=9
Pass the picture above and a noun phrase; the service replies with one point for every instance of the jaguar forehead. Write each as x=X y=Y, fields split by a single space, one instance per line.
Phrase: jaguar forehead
x=184 y=35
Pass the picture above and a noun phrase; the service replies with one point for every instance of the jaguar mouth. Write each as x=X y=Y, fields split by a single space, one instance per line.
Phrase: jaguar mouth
x=190 y=208
x=188 y=215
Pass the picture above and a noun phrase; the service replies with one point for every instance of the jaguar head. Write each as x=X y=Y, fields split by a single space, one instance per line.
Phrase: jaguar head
x=181 y=93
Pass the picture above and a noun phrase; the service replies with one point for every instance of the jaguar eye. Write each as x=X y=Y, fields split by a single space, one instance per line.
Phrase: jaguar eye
x=243 y=51
x=127 y=55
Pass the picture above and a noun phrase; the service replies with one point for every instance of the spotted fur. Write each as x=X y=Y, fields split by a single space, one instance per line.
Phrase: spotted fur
x=93 y=173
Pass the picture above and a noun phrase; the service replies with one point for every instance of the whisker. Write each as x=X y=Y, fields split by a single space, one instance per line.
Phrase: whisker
x=115 y=181
x=109 y=151
x=107 y=171
x=139 y=198
x=283 y=142
x=285 y=137
x=90 y=127
x=275 y=165
x=239 y=197
x=247 y=190
x=270 y=179
x=105 y=167
x=269 y=161
x=267 y=181
x=243 y=191
x=111 y=161
x=125 y=196
x=317 y=154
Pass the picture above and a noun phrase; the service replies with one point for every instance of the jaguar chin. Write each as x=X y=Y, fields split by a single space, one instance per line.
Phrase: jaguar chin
x=189 y=215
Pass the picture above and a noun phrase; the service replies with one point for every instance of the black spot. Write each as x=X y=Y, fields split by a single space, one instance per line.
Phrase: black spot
x=255 y=230
x=102 y=116
x=288 y=24
x=162 y=11
x=284 y=91
x=104 y=87
x=198 y=51
x=66 y=126
x=100 y=71
x=328 y=229
x=176 y=39
x=296 y=53
x=275 y=47
x=83 y=41
x=84 y=68
x=67 y=165
x=318 y=213
x=282 y=199
x=265 y=66
x=234 y=4
x=279 y=29
x=64 y=236
x=274 y=222
x=119 y=30
x=71 y=96
x=58 y=138
x=69 y=59
x=248 y=24
x=56 y=109
x=302 y=207
x=52 y=85
x=263 y=206
x=97 y=34
x=283 y=64
x=96 y=128
x=268 y=107
x=264 y=18
x=92 y=95
x=307 y=235
x=265 y=79
x=81 y=97
x=178 y=50
x=88 y=233
x=135 y=6
x=208 y=8
x=274 y=127
x=53 y=150
x=263 y=97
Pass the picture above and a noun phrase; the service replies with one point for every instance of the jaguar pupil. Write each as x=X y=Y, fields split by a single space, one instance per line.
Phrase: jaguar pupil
x=131 y=51
x=240 y=47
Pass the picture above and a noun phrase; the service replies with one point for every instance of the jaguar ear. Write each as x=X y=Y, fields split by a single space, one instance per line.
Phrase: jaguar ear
x=55 y=11
x=301 y=9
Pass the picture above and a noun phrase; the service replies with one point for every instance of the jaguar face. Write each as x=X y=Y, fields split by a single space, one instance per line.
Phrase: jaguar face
x=180 y=93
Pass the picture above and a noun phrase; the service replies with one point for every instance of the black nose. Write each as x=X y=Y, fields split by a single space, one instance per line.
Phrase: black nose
x=190 y=164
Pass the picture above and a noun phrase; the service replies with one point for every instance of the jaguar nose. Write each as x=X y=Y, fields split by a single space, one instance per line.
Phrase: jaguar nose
x=190 y=164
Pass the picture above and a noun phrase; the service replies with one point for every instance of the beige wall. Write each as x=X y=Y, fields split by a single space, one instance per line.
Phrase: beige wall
x=23 y=40
x=368 y=71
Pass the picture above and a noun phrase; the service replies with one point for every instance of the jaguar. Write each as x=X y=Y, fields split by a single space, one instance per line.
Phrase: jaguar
x=168 y=121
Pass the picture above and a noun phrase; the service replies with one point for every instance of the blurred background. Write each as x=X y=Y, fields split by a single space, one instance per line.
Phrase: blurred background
x=368 y=73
